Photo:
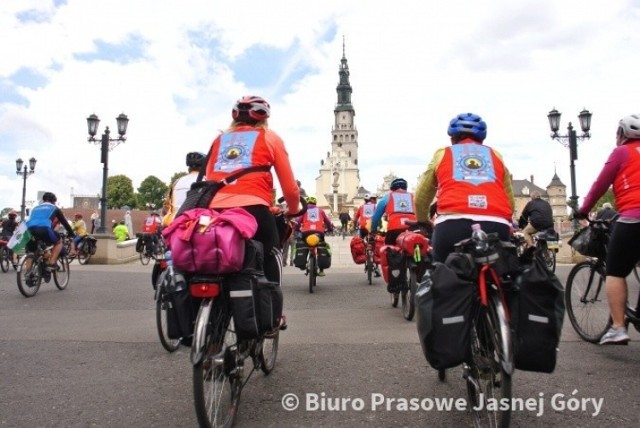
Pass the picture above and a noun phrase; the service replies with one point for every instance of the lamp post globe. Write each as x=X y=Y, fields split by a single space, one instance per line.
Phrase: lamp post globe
x=25 y=171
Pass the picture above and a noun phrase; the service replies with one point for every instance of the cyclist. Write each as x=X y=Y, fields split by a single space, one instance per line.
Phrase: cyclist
x=8 y=228
x=622 y=171
x=315 y=220
x=473 y=186
x=80 y=229
x=249 y=142
x=362 y=220
x=150 y=230
x=536 y=216
x=43 y=221
x=399 y=207
x=606 y=213
x=177 y=192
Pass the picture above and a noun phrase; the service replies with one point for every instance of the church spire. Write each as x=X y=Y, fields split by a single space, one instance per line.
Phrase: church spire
x=344 y=87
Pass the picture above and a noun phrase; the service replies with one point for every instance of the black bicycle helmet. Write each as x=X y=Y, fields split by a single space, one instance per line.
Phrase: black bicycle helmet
x=195 y=159
x=399 y=183
x=49 y=197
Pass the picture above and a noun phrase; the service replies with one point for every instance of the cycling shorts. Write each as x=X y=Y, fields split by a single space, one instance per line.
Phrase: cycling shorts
x=623 y=251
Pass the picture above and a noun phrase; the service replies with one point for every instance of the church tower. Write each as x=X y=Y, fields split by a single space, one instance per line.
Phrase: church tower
x=339 y=178
x=557 y=192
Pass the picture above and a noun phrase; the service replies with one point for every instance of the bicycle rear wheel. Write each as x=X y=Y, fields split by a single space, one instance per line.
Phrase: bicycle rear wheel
x=62 y=273
x=217 y=379
x=313 y=271
x=84 y=254
x=163 y=306
x=549 y=256
x=28 y=276
x=586 y=301
x=5 y=258
x=369 y=267
x=145 y=257
x=408 y=295
x=489 y=375
x=269 y=352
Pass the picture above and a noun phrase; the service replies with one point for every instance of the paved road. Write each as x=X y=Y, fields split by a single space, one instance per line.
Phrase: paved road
x=89 y=356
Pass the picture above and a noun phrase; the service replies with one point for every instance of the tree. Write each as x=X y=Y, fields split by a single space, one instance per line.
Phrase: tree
x=607 y=197
x=120 y=192
x=176 y=176
x=5 y=211
x=151 y=191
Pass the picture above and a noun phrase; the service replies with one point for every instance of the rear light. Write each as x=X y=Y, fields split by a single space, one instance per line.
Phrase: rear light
x=205 y=289
x=163 y=264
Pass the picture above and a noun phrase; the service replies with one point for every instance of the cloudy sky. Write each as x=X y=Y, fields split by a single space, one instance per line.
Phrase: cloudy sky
x=176 y=67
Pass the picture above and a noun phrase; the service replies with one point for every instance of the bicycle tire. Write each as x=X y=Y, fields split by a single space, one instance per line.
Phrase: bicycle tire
x=5 y=258
x=163 y=306
x=62 y=274
x=369 y=267
x=84 y=254
x=549 y=256
x=216 y=389
x=492 y=365
x=269 y=352
x=586 y=301
x=29 y=280
x=312 y=272
x=409 y=295
x=144 y=258
x=395 y=298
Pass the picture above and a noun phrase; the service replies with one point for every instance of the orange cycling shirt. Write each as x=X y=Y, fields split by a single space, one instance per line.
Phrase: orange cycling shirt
x=399 y=209
x=244 y=147
x=365 y=214
x=315 y=220
x=151 y=224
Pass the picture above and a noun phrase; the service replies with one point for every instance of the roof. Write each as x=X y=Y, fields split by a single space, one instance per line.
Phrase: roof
x=555 y=181
x=525 y=187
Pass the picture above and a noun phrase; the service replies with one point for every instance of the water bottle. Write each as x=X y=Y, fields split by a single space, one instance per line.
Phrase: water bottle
x=479 y=236
x=178 y=278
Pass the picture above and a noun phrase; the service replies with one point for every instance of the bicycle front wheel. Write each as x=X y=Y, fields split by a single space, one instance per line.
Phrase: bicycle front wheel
x=217 y=380
x=586 y=301
x=549 y=257
x=489 y=377
x=62 y=273
x=28 y=276
x=408 y=295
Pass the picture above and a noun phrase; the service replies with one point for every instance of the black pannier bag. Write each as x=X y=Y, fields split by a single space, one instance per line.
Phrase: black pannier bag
x=139 y=242
x=444 y=304
x=395 y=274
x=537 y=313
x=256 y=304
x=301 y=254
x=324 y=255
x=182 y=307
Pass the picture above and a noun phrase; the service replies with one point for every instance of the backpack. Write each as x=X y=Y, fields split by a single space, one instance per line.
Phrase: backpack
x=444 y=304
x=205 y=241
x=537 y=312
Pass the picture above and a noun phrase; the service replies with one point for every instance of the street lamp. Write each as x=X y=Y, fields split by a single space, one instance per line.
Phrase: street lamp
x=20 y=170
x=571 y=140
x=107 y=144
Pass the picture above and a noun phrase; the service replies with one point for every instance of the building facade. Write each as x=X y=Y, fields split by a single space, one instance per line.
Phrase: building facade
x=338 y=184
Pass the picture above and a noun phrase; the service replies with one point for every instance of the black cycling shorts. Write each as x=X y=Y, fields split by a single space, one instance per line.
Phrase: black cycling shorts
x=623 y=251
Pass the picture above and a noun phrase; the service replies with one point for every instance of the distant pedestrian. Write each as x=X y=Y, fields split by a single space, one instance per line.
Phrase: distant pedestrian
x=95 y=221
x=607 y=213
x=128 y=222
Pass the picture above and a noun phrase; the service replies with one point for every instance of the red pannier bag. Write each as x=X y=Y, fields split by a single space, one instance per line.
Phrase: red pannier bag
x=379 y=243
x=408 y=240
x=358 y=250
x=391 y=259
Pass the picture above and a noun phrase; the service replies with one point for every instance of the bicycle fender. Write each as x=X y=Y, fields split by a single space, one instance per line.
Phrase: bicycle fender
x=200 y=332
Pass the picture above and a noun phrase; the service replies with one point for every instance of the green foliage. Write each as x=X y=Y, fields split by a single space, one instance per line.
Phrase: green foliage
x=176 y=176
x=607 y=197
x=120 y=192
x=151 y=191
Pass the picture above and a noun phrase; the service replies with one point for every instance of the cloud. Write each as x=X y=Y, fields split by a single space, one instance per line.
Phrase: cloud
x=176 y=70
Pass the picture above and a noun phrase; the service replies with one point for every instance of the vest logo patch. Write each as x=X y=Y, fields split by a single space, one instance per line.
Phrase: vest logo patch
x=472 y=163
x=236 y=150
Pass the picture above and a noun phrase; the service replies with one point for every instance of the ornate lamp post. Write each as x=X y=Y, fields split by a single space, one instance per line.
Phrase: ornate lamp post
x=107 y=144
x=571 y=140
x=20 y=170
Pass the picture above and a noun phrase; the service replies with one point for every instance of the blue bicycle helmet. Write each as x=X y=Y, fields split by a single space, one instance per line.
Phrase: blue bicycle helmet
x=398 y=183
x=468 y=123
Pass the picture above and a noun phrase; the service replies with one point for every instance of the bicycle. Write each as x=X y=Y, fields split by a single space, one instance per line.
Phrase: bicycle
x=369 y=264
x=413 y=266
x=546 y=243
x=312 y=240
x=32 y=270
x=488 y=371
x=86 y=248
x=585 y=296
x=165 y=284
x=6 y=257
x=217 y=355
x=149 y=246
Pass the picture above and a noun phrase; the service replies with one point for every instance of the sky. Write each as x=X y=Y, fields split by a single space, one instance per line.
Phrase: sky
x=175 y=68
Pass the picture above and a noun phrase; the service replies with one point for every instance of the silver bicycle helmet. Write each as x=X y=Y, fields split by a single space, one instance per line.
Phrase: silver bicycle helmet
x=630 y=126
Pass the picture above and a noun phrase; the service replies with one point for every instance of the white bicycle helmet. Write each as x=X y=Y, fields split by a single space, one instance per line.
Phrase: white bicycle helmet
x=630 y=126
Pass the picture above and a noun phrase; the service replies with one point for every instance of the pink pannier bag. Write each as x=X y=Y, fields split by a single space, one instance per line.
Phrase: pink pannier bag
x=203 y=240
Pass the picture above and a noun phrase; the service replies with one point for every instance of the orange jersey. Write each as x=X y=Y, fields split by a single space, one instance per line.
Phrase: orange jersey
x=245 y=147
x=365 y=214
x=400 y=207
x=471 y=181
